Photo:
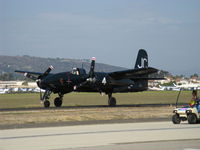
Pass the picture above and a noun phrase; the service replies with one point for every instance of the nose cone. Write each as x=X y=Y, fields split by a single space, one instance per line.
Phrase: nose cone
x=42 y=84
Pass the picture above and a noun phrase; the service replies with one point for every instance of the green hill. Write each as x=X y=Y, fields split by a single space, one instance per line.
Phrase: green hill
x=10 y=63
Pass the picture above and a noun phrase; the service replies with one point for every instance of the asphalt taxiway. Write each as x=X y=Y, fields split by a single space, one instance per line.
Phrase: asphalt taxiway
x=148 y=135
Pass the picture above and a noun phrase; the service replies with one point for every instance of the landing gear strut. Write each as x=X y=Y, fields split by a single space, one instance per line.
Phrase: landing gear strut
x=45 y=98
x=111 y=100
x=58 y=101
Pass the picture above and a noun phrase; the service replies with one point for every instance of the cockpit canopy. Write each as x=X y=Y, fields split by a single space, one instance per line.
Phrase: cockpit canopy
x=78 y=71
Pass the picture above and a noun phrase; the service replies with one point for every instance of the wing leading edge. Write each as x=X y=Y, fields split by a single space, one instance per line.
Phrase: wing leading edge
x=31 y=75
x=137 y=73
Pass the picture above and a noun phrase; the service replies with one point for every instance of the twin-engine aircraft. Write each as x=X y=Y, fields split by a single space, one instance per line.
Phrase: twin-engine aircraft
x=132 y=80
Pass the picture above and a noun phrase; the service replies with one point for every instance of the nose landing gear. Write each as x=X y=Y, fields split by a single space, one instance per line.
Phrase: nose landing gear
x=45 y=98
x=46 y=103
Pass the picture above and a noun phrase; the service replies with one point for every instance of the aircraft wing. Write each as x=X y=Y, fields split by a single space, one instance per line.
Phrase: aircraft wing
x=31 y=75
x=133 y=73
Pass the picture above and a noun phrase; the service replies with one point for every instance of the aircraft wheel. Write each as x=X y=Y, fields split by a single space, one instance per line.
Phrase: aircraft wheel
x=58 y=102
x=192 y=119
x=46 y=103
x=112 y=102
x=176 y=119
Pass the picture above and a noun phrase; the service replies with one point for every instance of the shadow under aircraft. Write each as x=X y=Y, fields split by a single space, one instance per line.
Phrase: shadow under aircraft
x=131 y=80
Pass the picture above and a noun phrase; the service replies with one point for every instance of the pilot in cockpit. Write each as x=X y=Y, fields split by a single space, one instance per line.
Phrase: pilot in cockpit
x=75 y=71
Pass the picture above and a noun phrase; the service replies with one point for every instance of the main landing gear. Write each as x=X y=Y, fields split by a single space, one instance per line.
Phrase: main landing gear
x=57 y=100
x=111 y=100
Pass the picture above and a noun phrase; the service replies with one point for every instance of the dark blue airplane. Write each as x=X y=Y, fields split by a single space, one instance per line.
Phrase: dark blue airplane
x=131 y=80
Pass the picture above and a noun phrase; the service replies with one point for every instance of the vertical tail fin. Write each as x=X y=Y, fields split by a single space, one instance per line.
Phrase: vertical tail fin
x=142 y=62
x=142 y=59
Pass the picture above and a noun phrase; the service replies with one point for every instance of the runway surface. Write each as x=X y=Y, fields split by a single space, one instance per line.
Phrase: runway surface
x=124 y=136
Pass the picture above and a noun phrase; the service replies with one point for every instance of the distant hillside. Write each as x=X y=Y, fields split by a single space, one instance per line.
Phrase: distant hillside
x=10 y=63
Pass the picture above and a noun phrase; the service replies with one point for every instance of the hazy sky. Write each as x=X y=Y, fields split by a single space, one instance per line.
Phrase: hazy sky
x=110 y=30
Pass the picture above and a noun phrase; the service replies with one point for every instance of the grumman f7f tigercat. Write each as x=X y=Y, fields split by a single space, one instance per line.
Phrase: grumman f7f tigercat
x=131 y=80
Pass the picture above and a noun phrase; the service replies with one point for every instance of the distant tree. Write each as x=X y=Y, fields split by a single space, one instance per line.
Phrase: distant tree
x=161 y=73
x=6 y=76
x=168 y=84
x=178 y=77
x=194 y=75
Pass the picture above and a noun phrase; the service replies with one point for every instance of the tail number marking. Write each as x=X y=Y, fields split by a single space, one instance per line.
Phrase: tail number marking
x=143 y=60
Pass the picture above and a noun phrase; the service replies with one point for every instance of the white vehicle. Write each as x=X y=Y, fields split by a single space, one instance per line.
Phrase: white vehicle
x=169 y=88
x=15 y=90
x=4 y=91
x=38 y=90
x=155 y=89
x=23 y=89
x=186 y=113
x=189 y=113
x=188 y=86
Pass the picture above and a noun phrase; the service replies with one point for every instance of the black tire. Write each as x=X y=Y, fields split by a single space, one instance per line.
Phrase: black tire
x=112 y=102
x=58 y=102
x=46 y=103
x=192 y=119
x=176 y=119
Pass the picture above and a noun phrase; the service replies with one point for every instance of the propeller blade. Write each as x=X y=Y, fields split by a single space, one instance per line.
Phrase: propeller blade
x=91 y=76
x=46 y=72
x=30 y=76
x=91 y=72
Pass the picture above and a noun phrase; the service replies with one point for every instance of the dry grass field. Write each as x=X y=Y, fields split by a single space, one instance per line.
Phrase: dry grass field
x=80 y=114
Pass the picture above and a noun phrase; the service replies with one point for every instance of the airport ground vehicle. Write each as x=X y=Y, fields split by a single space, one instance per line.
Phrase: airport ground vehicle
x=187 y=113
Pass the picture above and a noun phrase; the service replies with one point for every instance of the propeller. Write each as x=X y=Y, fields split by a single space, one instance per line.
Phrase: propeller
x=39 y=79
x=91 y=76
x=91 y=72
x=46 y=72
x=33 y=77
x=30 y=76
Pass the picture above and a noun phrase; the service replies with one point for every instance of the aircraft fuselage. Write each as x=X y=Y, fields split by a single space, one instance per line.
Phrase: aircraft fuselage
x=67 y=82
